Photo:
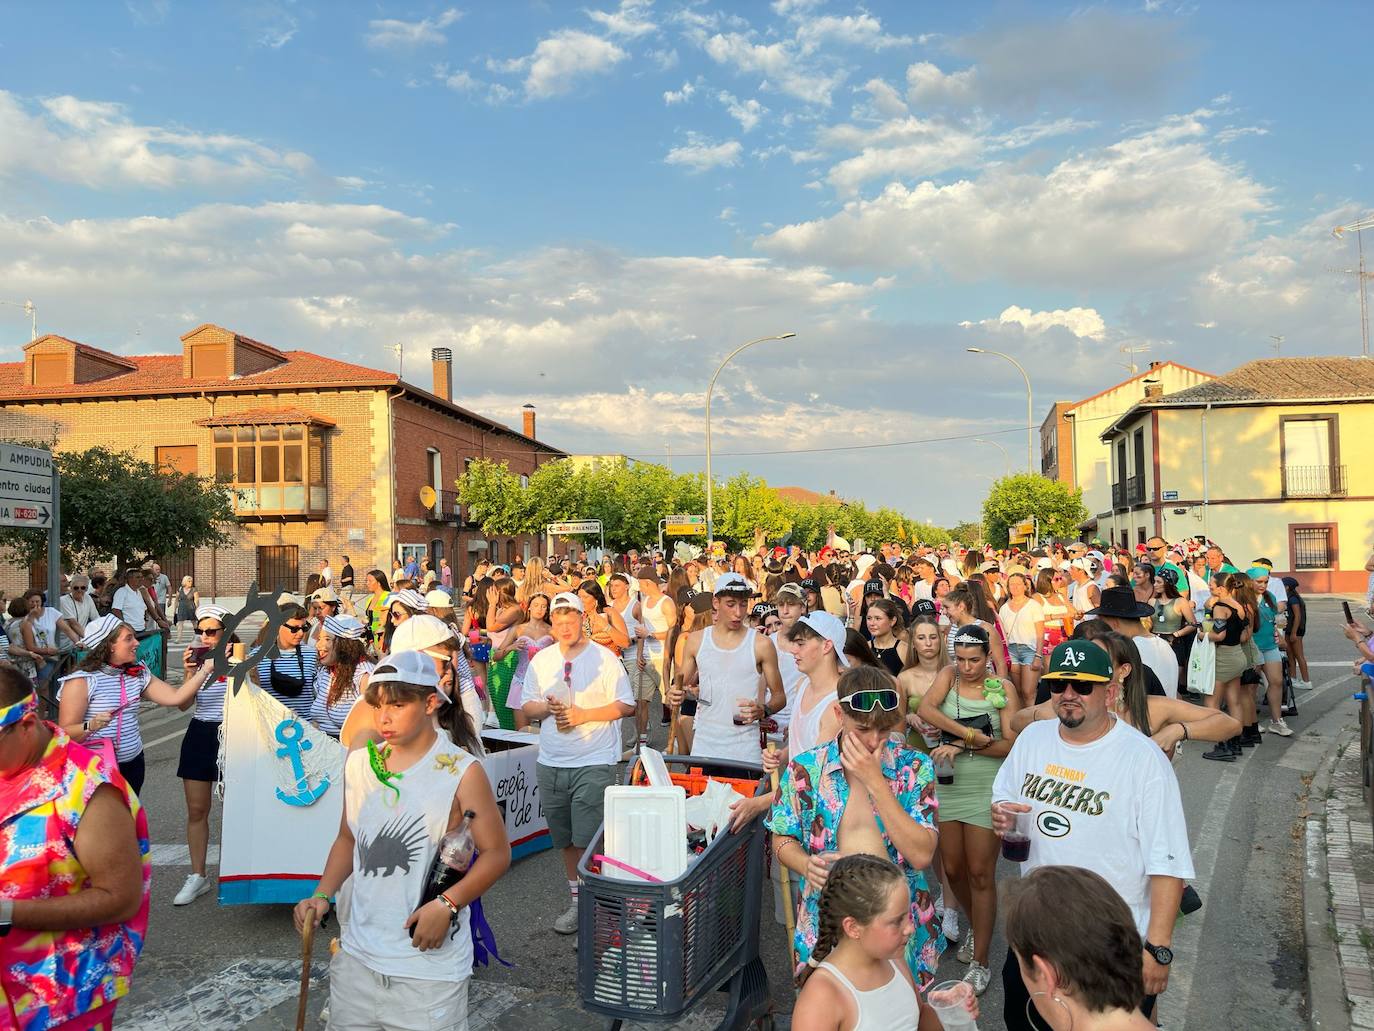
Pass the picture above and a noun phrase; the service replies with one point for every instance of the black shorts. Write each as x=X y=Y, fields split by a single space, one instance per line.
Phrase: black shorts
x=200 y=752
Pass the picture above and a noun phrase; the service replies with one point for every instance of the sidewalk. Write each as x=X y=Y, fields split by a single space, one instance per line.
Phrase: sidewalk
x=1339 y=894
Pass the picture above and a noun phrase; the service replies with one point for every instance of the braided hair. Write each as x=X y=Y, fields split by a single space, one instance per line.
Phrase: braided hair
x=857 y=886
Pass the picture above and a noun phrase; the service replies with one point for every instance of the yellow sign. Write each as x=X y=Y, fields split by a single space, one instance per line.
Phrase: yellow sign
x=427 y=496
x=1024 y=528
x=683 y=529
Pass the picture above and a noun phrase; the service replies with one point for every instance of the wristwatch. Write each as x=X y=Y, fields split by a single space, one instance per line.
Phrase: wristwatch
x=1162 y=953
x=6 y=916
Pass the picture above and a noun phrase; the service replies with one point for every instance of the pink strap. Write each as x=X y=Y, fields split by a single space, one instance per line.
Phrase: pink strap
x=608 y=861
x=119 y=717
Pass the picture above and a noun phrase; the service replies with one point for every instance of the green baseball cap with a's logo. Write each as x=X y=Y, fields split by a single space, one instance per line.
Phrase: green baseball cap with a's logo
x=1080 y=660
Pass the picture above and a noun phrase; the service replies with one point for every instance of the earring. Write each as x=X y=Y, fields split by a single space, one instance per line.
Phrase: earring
x=1053 y=998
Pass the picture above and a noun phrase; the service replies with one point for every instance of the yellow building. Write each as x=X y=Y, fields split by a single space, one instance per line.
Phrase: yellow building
x=1071 y=447
x=1267 y=460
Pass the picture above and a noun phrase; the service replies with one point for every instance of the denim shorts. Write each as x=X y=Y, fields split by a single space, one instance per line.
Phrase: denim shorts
x=1022 y=654
x=1271 y=655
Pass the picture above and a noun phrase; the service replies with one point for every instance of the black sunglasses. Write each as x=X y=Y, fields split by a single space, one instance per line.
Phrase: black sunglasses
x=1080 y=687
x=209 y=631
x=296 y=628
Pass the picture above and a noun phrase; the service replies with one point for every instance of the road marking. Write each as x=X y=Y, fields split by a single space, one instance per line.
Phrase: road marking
x=179 y=855
x=1188 y=931
x=227 y=1000
x=1329 y=663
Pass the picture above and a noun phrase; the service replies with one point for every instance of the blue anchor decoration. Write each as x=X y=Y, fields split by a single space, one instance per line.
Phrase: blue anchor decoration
x=292 y=736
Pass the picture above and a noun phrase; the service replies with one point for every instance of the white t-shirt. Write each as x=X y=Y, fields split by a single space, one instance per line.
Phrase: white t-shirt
x=1279 y=591
x=395 y=841
x=326 y=576
x=1018 y=627
x=598 y=678
x=45 y=633
x=1156 y=653
x=1111 y=806
x=135 y=610
x=79 y=613
x=922 y=591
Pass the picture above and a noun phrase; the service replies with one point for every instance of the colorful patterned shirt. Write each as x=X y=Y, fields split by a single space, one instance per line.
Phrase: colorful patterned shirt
x=49 y=977
x=810 y=803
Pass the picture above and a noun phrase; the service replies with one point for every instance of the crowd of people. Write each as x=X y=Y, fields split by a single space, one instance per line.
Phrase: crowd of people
x=969 y=703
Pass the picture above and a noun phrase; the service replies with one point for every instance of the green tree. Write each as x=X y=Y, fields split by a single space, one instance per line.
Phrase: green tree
x=1013 y=498
x=115 y=505
x=967 y=533
x=744 y=504
x=494 y=498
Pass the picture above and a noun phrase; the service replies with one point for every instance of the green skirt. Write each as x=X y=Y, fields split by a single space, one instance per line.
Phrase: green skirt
x=499 y=677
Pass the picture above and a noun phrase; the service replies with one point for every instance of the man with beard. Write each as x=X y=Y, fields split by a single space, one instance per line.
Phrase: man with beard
x=1092 y=791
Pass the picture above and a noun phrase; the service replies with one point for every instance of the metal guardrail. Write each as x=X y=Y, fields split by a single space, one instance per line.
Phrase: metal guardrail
x=1314 y=481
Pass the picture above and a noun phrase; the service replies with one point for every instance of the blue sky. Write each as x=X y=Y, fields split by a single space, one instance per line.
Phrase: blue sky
x=592 y=204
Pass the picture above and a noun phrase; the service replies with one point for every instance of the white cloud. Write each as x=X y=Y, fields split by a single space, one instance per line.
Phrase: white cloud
x=861 y=30
x=700 y=154
x=1141 y=210
x=560 y=60
x=886 y=101
x=927 y=84
x=459 y=81
x=902 y=147
x=777 y=62
x=393 y=33
x=664 y=60
x=747 y=112
x=1081 y=322
x=679 y=96
x=96 y=144
x=629 y=20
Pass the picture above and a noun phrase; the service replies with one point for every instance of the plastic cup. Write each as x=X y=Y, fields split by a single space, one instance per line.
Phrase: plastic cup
x=739 y=719
x=944 y=771
x=1016 y=841
x=949 y=1000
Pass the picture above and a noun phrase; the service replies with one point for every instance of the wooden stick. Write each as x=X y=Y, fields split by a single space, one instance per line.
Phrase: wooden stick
x=307 y=946
x=788 y=913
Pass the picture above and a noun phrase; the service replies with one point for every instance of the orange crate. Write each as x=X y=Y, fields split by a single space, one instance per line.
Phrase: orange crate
x=694 y=781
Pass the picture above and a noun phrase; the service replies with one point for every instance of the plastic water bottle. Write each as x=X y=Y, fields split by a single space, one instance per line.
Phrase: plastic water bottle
x=451 y=861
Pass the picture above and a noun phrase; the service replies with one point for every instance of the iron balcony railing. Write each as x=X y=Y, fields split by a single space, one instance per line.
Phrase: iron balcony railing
x=1314 y=481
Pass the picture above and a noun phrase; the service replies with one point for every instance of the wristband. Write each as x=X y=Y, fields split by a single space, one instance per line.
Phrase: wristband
x=323 y=895
x=1185 y=732
x=453 y=909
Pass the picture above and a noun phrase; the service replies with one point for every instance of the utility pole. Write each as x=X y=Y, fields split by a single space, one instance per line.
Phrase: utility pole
x=1278 y=344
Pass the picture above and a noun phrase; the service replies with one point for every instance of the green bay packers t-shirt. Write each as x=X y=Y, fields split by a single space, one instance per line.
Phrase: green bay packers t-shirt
x=1111 y=806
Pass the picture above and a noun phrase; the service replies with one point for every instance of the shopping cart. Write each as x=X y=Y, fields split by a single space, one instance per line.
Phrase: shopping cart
x=650 y=951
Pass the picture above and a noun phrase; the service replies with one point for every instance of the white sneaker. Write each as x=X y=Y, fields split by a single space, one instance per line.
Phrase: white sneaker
x=965 y=953
x=949 y=921
x=567 y=922
x=977 y=978
x=196 y=885
x=1279 y=727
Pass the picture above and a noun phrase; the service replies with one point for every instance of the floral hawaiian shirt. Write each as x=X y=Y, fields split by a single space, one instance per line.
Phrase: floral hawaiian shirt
x=48 y=978
x=811 y=799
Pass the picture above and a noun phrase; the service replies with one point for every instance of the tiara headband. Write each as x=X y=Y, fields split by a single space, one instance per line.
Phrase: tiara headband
x=12 y=714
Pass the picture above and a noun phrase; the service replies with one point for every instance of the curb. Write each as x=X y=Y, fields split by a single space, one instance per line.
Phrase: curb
x=1326 y=1001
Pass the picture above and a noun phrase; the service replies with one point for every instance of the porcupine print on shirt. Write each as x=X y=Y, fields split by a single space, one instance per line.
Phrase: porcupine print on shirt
x=395 y=848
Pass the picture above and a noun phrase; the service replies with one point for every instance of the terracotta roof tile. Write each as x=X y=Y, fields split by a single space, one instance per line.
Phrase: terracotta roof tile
x=268 y=417
x=1280 y=379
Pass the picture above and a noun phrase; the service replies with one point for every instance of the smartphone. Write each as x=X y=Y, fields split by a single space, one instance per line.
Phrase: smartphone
x=1345 y=607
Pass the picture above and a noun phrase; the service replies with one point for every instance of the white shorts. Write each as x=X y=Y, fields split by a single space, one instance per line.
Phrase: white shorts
x=362 y=1000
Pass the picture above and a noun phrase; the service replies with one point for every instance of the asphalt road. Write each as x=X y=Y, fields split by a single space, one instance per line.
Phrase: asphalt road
x=1240 y=960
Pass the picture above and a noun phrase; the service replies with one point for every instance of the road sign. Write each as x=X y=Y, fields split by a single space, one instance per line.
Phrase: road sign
x=684 y=525
x=26 y=491
x=575 y=526
x=1024 y=528
x=1168 y=495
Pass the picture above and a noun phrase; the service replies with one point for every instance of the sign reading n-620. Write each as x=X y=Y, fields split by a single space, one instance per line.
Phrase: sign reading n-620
x=26 y=476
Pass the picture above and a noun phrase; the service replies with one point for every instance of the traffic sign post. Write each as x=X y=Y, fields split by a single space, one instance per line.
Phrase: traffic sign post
x=680 y=526
x=576 y=528
x=30 y=495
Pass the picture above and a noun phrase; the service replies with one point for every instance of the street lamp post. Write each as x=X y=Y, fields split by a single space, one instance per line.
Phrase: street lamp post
x=710 y=387
x=1030 y=406
x=999 y=446
x=31 y=310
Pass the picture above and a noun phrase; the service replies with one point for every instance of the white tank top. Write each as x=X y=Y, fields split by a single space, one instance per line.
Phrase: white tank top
x=631 y=624
x=656 y=619
x=893 y=1007
x=725 y=676
x=793 y=680
x=804 y=733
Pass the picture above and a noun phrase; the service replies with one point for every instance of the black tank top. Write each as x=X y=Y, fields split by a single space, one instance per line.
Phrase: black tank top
x=890 y=658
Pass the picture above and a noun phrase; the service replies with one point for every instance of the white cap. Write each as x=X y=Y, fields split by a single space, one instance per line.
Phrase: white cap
x=1082 y=563
x=831 y=629
x=413 y=600
x=99 y=629
x=731 y=583
x=420 y=632
x=211 y=612
x=862 y=563
x=407 y=667
x=344 y=626
x=437 y=599
x=287 y=598
x=840 y=544
x=1044 y=563
x=567 y=600
x=325 y=594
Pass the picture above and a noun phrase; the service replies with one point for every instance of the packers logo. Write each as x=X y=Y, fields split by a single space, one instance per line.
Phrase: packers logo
x=1053 y=824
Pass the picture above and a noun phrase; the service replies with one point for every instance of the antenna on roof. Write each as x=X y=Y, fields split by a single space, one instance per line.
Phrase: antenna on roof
x=1278 y=344
x=400 y=352
x=1132 y=350
x=1361 y=276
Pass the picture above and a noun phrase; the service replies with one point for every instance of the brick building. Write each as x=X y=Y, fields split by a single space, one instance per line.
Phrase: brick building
x=326 y=458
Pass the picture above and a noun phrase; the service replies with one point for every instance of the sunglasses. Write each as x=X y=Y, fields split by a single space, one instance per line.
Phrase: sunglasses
x=296 y=628
x=1080 y=687
x=867 y=701
x=78 y=590
x=209 y=631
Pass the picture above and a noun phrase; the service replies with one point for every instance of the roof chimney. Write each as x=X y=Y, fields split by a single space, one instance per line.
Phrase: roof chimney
x=1153 y=389
x=529 y=421
x=441 y=358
